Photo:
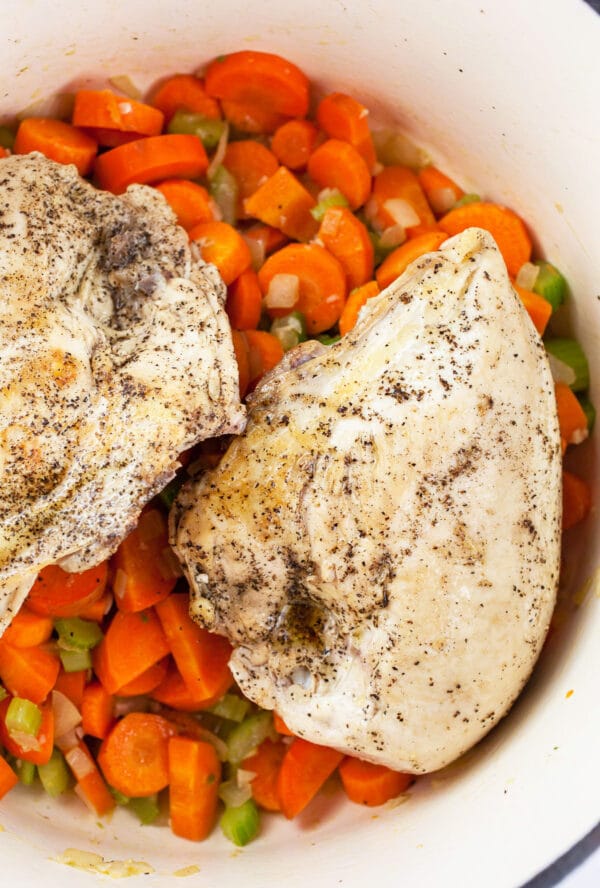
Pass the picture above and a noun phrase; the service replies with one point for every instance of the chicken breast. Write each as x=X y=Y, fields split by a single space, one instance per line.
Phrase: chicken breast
x=382 y=544
x=116 y=355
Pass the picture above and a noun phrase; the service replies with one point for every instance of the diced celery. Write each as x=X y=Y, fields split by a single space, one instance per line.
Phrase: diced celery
x=169 y=493
x=569 y=352
x=328 y=338
x=119 y=797
x=589 y=410
x=290 y=329
x=75 y=634
x=26 y=772
x=333 y=198
x=74 y=661
x=241 y=825
x=146 y=808
x=54 y=775
x=231 y=707
x=7 y=137
x=245 y=738
x=467 y=199
x=380 y=252
x=224 y=189
x=550 y=284
x=23 y=717
x=208 y=130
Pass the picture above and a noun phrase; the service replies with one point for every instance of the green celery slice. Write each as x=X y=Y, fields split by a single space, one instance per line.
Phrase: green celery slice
x=54 y=775
x=290 y=329
x=224 y=189
x=589 y=410
x=467 y=199
x=23 y=717
x=333 y=198
x=26 y=772
x=231 y=707
x=145 y=808
x=570 y=353
x=248 y=735
x=207 y=129
x=75 y=634
x=241 y=825
x=74 y=661
x=550 y=284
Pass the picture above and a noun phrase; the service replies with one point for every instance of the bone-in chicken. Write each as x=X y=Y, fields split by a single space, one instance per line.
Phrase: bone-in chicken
x=382 y=544
x=116 y=355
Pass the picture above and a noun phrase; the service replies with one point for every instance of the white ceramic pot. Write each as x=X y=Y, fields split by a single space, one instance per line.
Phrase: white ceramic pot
x=505 y=95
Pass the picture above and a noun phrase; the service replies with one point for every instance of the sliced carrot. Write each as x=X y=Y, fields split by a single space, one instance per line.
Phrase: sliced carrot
x=572 y=420
x=175 y=693
x=322 y=290
x=8 y=778
x=223 y=246
x=293 y=143
x=44 y=737
x=400 y=258
x=190 y=202
x=240 y=347
x=265 y=763
x=144 y=572
x=400 y=183
x=270 y=238
x=244 y=301
x=132 y=644
x=538 y=308
x=441 y=191
x=264 y=352
x=90 y=786
x=576 y=500
x=369 y=784
x=28 y=629
x=146 y=682
x=250 y=118
x=97 y=610
x=97 y=711
x=280 y=726
x=507 y=229
x=251 y=164
x=58 y=140
x=194 y=777
x=304 y=770
x=57 y=593
x=72 y=685
x=184 y=92
x=134 y=758
x=284 y=203
x=259 y=79
x=107 y=117
x=342 y=117
x=150 y=160
x=337 y=164
x=354 y=303
x=28 y=672
x=348 y=240
x=201 y=657
x=4 y=152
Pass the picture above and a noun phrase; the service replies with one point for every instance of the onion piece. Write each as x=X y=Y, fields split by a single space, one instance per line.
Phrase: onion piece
x=125 y=85
x=80 y=763
x=561 y=372
x=70 y=740
x=218 y=156
x=393 y=236
x=527 y=275
x=27 y=742
x=245 y=778
x=402 y=212
x=441 y=200
x=258 y=251
x=393 y=147
x=66 y=714
x=283 y=291
x=234 y=795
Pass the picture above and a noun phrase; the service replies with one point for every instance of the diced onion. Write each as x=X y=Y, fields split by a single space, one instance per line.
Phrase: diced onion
x=393 y=236
x=441 y=200
x=283 y=291
x=120 y=584
x=80 y=763
x=402 y=212
x=125 y=85
x=69 y=740
x=27 y=742
x=258 y=251
x=527 y=275
x=217 y=158
x=561 y=372
x=371 y=211
x=66 y=714
x=234 y=795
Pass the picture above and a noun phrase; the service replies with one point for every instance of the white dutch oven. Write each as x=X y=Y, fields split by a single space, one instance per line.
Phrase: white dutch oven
x=505 y=95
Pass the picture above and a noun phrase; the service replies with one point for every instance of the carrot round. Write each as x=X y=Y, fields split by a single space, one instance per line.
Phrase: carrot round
x=259 y=79
x=146 y=682
x=132 y=644
x=265 y=763
x=398 y=182
x=143 y=570
x=194 y=777
x=149 y=160
x=538 y=308
x=240 y=347
x=342 y=117
x=322 y=290
x=354 y=303
x=190 y=202
x=57 y=593
x=576 y=500
x=135 y=756
x=369 y=784
x=72 y=685
x=223 y=246
x=175 y=693
x=293 y=143
x=28 y=629
x=97 y=711
x=399 y=260
x=348 y=240
x=28 y=672
x=439 y=189
x=337 y=164
x=110 y=116
x=251 y=164
x=304 y=770
x=248 y=117
x=572 y=420
x=270 y=238
x=284 y=203
x=507 y=229
x=58 y=140
x=244 y=300
x=184 y=92
x=8 y=778
x=264 y=352
x=45 y=736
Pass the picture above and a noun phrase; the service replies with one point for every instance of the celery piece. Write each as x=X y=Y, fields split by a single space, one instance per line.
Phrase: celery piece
x=208 y=130
x=73 y=661
x=7 y=137
x=380 y=252
x=145 y=808
x=589 y=410
x=333 y=198
x=231 y=707
x=328 y=338
x=119 y=797
x=241 y=825
x=54 y=775
x=289 y=330
x=467 y=199
x=168 y=494
x=23 y=717
x=224 y=190
x=75 y=634
x=249 y=734
x=569 y=352
x=550 y=284
x=26 y=772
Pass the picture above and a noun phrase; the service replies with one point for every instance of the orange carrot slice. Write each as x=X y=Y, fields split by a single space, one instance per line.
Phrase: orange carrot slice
x=251 y=118
x=572 y=420
x=259 y=79
x=107 y=117
x=244 y=301
x=28 y=629
x=8 y=778
x=132 y=644
x=57 y=140
x=400 y=258
x=266 y=763
x=28 y=672
x=134 y=758
x=441 y=191
x=264 y=352
x=251 y=164
x=194 y=777
x=97 y=711
x=304 y=770
x=190 y=202
x=576 y=499
x=184 y=92
x=72 y=685
x=150 y=160
x=354 y=303
x=283 y=203
x=400 y=183
x=342 y=117
x=90 y=786
x=337 y=164
x=538 y=308
x=144 y=569
x=57 y=593
x=348 y=240
x=146 y=682
x=280 y=726
x=223 y=246
x=293 y=143
x=369 y=784
x=507 y=229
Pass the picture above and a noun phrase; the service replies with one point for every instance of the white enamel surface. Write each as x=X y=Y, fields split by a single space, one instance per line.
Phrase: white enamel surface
x=519 y=122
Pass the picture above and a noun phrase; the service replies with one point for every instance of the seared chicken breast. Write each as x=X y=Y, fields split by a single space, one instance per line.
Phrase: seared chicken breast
x=381 y=545
x=116 y=355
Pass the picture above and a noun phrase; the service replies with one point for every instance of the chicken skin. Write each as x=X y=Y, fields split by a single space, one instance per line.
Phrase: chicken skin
x=382 y=543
